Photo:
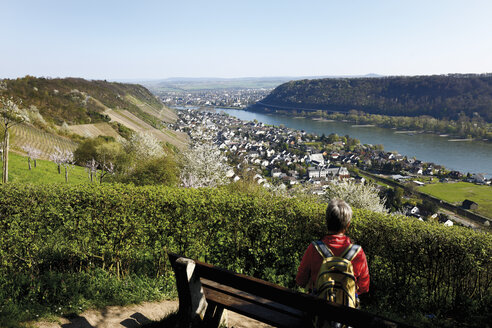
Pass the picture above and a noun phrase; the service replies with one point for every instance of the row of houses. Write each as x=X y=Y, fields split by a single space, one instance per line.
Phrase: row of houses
x=279 y=151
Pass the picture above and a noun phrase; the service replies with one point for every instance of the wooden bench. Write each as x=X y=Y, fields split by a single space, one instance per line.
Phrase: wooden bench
x=205 y=291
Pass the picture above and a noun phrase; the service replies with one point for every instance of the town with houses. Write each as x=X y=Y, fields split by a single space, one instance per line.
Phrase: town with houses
x=232 y=98
x=285 y=157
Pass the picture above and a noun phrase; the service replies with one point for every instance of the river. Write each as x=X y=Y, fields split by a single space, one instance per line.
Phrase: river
x=463 y=156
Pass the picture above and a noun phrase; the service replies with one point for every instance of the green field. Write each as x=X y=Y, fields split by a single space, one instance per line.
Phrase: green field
x=45 y=172
x=456 y=193
x=210 y=85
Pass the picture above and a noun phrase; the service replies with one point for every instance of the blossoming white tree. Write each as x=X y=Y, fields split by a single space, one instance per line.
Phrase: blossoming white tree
x=10 y=115
x=32 y=154
x=63 y=158
x=204 y=166
x=357 y=195
x=144 y=145
x=56 y=157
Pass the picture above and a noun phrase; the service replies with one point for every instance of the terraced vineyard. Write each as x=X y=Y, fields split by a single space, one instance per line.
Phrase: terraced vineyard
x=165 y=114
x=94 y=130
x=133 y=122
x=25 y=135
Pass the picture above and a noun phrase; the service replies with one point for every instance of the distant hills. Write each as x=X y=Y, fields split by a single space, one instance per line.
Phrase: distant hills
x=440 y=96
x=212 y=83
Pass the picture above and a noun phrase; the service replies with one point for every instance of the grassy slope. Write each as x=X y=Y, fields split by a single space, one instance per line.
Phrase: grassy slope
x=456 y=193
x=46 y=172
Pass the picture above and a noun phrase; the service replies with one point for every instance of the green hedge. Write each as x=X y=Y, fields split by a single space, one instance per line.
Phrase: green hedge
x=416 y=267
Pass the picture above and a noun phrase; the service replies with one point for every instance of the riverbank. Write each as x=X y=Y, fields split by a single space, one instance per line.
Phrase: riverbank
x=459 y=140
x=472 y=157
x=454 y=138
x=363 y=126
x=478 y=131
x=322 y=120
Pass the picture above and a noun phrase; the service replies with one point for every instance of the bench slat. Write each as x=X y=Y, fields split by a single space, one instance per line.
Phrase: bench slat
x=252 y=310
x=247 y=297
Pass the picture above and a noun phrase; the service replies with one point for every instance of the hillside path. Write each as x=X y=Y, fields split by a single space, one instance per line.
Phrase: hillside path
x=134 y=316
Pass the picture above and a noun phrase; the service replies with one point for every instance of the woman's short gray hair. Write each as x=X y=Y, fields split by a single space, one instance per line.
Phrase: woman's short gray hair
x=338 y=215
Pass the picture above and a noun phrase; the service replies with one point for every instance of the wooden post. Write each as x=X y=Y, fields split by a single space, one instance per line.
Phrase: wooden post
x=192 y=303
x=215 y=316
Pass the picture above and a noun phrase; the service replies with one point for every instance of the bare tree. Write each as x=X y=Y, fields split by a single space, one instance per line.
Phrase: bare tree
x=107 y=154
x=92 y=168
x=32 y=154
x=10 y=115
x=107 y=168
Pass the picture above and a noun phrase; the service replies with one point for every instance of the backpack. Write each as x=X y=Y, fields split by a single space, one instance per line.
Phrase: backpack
x=336 y=281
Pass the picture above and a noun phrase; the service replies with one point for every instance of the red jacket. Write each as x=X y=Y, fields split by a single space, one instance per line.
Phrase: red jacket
x=311 y=262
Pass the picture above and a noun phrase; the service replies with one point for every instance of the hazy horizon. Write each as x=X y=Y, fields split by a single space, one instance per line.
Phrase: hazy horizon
x=211 y=78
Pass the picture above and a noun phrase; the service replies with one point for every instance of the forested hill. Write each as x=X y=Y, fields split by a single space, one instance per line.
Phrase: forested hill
x=78 y=101
x=440 y=96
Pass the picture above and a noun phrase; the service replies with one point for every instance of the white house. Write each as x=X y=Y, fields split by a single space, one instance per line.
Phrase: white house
x=317 y=159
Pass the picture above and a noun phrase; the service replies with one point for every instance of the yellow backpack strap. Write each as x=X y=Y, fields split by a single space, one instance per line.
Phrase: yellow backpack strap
x=322 y=249
x=351 y=251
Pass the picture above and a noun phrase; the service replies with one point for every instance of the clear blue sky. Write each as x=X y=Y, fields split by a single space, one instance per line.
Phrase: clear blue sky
x=158 y=39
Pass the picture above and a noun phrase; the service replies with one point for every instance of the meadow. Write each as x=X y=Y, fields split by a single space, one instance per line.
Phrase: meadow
x=456 y=193
x=45 y=172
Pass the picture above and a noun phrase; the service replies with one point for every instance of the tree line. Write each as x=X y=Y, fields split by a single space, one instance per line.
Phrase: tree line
x=438 y=96
x=464 y=127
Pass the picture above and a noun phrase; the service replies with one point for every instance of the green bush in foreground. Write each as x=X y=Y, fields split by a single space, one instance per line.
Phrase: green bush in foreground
x=123 y=232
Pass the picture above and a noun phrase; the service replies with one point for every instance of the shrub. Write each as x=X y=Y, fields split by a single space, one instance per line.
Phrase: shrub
x=155 y=171
x=416 y=267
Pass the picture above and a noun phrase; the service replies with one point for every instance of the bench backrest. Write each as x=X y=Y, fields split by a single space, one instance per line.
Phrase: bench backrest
x=311 y=305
